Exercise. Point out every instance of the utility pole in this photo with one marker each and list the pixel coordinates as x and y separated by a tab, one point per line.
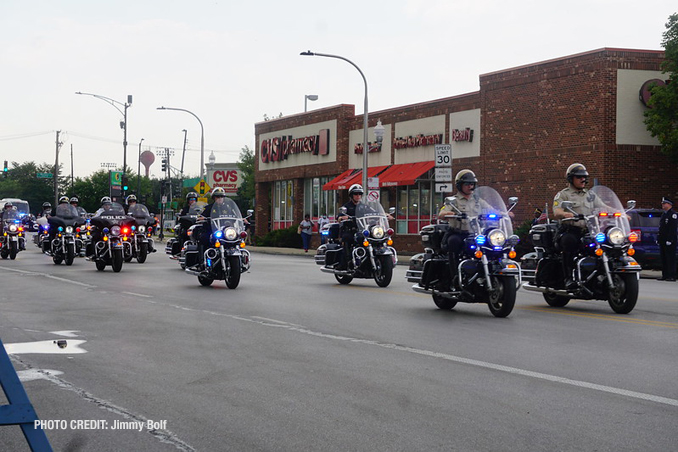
55	175
72	183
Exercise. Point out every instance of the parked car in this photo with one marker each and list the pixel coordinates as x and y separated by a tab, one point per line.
645	223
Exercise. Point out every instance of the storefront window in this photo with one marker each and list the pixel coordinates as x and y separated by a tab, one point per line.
317	201
417	206
283	204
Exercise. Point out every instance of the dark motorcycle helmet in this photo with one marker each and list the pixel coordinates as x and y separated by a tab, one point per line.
576	169
465	176
191	195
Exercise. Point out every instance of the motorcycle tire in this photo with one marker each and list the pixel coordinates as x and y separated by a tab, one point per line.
143	253
57	259
117	260
12	250
443	303
205	280
4	254
100	265
384	271
343	279
233	278
70	254
503	298
623	297
555	300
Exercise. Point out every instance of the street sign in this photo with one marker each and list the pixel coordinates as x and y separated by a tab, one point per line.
116	178
444	187
44	175
373	195
201	187
443	174
443	155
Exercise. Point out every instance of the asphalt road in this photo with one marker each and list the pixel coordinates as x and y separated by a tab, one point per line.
291	360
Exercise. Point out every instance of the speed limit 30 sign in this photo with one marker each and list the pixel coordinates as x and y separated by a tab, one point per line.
443	155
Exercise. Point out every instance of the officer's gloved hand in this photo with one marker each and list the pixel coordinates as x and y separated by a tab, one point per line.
463	216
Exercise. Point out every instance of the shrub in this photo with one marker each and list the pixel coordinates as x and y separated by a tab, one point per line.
285	238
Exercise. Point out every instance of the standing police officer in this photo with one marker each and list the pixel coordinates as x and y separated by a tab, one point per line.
668	225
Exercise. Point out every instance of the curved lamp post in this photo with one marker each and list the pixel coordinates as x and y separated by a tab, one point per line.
202	137
307	97
139	170
123	124
366	148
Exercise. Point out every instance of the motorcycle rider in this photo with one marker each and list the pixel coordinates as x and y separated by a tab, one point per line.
191	198
81	210
204	228
465	182
570	233
46	210
131	203
52	227
6	214
106	205
348	228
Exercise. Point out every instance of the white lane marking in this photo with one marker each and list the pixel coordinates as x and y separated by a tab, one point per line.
48	347
138	294
36	374
444	356
46	275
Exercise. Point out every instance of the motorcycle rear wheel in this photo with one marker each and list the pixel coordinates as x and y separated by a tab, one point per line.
384	271
555	300
503	298
4	254
12	250
443	303
143	253
233	278
58	259
100	265
343	279
205	280
623	296
117	260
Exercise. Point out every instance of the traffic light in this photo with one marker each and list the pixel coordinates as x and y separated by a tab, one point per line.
164	165
125	183
5	169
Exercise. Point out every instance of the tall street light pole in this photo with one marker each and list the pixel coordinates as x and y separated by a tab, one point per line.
123	124
307	97
139	171
366	149
202	138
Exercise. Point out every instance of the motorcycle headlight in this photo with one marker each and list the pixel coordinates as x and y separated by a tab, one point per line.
142	228
616	236
230	234
115	230
69	229
12	228
497	237
378	232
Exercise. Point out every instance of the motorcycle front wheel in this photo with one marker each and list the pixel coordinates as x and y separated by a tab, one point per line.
384	271
623	296
12	250
117	260
233	278
100	265
503	298
70	254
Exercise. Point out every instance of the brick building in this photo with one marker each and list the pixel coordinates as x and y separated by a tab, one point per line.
519	133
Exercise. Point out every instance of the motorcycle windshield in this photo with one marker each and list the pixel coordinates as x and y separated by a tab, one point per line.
114	209
197	208
10	215
138	211
226	214
608	210
489	211
66	211
369	214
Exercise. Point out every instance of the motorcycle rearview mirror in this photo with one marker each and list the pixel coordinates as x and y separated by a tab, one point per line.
567	205
391	210
250	212
630	204
452	202
513	200
342	210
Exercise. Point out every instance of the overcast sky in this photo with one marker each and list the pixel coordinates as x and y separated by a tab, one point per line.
232	62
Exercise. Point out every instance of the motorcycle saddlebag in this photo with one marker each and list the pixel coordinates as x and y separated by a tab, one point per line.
543	235
192	257
332	253
334	231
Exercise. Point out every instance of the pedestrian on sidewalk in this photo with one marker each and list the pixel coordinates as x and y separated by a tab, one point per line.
306	228
667	240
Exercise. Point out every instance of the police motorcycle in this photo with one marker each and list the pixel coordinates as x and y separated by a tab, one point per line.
13	237
604	268
183	232
111	242
372	255
66	243
140	237
226	257
486	272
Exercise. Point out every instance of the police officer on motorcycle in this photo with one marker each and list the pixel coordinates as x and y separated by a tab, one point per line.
46	210
191	198
466	204
571	231
6	214
204	230
131	202
348	228
81	211
106	205
53	229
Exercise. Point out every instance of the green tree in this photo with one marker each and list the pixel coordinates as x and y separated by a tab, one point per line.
661	118
22	182
245	197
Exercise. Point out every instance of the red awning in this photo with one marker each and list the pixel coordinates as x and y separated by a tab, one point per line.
357	178
404	174
332	185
